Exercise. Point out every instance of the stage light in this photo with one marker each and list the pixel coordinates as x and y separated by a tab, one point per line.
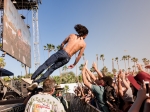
14	2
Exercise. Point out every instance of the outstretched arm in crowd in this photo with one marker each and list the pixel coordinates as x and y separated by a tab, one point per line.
100	75
139	67
85	81
88	77
127	85
120	91
141	96
90	74
81	89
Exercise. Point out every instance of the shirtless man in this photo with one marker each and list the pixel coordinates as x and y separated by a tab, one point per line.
74	43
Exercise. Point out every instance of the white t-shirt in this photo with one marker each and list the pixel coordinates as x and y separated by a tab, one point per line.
44	102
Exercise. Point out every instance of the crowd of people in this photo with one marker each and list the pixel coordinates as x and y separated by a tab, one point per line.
125	92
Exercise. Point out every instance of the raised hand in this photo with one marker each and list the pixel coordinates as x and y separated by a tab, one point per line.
94	65
139	67
122	75
85	65
142	92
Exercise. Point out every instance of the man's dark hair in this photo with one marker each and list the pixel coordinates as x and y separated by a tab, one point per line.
81	30
48	85
108	80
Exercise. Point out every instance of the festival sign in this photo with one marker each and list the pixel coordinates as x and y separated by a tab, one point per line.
16	35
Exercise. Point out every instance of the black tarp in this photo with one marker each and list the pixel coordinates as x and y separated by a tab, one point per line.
4	72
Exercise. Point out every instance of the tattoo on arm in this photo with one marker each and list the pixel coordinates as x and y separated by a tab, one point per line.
64	42
79	56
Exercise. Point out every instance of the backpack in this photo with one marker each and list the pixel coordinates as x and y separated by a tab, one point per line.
112	99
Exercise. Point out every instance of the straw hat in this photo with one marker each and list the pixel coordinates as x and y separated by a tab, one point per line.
58	87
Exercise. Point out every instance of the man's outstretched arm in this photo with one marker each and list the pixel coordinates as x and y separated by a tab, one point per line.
78	57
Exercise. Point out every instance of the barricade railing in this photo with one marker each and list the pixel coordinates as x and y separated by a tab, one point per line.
78	105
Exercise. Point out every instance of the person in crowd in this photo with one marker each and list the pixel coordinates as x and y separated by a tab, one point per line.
141	98
44	101
126	94
142	101
74	43
110	94
59	96
89	97
97	90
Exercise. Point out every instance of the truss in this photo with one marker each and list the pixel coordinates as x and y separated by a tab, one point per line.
36	37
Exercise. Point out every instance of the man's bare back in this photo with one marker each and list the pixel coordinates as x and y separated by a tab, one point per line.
74	44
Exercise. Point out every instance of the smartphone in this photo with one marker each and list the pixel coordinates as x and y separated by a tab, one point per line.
147	87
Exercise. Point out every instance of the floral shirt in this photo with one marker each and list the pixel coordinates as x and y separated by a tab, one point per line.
44	102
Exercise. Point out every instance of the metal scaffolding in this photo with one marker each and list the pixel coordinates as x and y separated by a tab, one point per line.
28	5
36	37
1	24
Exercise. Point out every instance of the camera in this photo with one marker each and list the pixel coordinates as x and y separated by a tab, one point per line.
147	87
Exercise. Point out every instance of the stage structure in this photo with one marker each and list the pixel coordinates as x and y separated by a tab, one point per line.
15	34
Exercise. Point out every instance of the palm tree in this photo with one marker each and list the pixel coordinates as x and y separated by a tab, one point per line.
83	55
97	60
129	69
66	88
81	67
124	58
128	57
102	58
6	78
104	70
76	66
57	79
92	70
24	66
133	67
58	47
134	61
112	63
64	68
0	46
114	71
116	59
144	61
147	63
2	62
49	47
123	70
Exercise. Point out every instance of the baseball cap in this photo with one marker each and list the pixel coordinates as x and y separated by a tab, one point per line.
133	82
142	76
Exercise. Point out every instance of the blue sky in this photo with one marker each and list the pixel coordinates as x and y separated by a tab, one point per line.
114	26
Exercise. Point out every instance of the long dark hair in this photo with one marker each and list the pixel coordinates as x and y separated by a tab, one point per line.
81	30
